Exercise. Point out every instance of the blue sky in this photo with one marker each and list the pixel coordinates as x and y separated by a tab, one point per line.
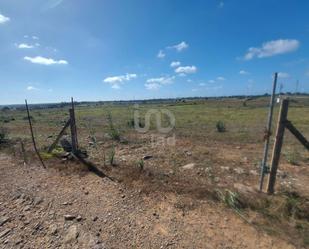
137	49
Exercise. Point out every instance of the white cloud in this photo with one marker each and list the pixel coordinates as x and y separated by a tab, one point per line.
186	70
272	48
120	78
35	37
179	47
31	88
115	81
4	19
220	78
221	5
45	61
24	45
211	81
116	86
175	64
243	72
283	75
202	84
156	83
161	54
152	86
162	80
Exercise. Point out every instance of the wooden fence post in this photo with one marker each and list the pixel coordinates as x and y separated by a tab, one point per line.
278	145
59	136
32	135
73	131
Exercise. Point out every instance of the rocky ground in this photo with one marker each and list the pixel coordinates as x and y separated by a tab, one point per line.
55	209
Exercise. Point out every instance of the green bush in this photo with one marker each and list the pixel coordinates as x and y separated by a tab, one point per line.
113	132
3	135
220	126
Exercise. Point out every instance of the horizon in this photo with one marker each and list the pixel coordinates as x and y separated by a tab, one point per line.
116	50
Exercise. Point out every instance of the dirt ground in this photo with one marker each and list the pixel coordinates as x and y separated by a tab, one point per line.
56	209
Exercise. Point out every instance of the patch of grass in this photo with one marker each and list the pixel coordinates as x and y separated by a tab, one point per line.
113	132
111	156
3	135
220	125
141	164
293	157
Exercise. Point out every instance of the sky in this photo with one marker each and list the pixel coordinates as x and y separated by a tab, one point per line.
95	50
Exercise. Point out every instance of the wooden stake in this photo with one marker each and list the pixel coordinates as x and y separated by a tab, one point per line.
73	132
297	134
278	145
59	136
23	152
269	123
32	136
73	108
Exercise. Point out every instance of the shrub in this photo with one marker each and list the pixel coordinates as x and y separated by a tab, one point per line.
3	135
111	156
220	126
131	123
113	132
141	164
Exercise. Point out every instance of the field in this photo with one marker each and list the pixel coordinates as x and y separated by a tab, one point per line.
198	179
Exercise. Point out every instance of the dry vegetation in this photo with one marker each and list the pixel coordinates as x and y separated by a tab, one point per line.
203	186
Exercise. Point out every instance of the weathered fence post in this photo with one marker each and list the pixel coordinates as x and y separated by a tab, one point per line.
73	131
269	122
32	136
278	145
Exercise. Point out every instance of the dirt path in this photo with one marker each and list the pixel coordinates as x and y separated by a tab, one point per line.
52	209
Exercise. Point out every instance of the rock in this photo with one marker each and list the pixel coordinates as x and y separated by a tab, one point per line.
37	200
71	234
216	179
69	217
225	168
53	229
4	220
188	153
147	157
239	170
253	172
4	233
27	208
95	218
189	166
79	218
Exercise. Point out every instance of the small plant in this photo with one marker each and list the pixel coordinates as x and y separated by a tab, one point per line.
3	135
113	132
220	125
293	157
131	123
141	164
111	156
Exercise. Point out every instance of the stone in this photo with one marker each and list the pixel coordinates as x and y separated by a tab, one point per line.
79	218
27	208
189	166
53	229
4	220
239	170
71	234
69	217
4	233
37	200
